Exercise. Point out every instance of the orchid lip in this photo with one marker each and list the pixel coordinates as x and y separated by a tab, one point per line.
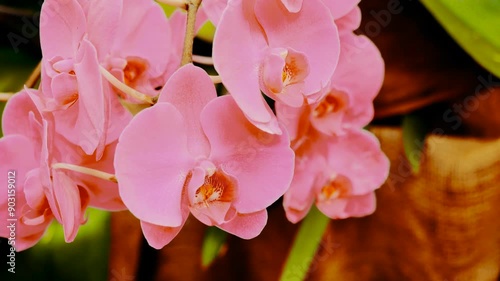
216	187
337	186
124	87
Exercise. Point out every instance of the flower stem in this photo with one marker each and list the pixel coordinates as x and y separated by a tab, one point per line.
35	76
187	53
85	170
305	246
5	96
216	79
203	60
125	88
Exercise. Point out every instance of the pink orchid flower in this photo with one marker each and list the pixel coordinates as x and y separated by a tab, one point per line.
80	104
338	174
147	46
194	152
346	102
45	193
116	35
18	157
290	57
53	189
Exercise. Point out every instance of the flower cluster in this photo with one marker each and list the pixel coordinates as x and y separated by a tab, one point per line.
117	123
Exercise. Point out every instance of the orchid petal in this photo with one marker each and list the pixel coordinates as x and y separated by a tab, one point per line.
261	162
240	74
189	90
246	226
151	164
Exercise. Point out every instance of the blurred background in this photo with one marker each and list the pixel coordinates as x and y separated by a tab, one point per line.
437	118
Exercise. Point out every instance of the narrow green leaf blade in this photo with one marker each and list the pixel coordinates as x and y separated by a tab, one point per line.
213	243
305	246
414	132
475	25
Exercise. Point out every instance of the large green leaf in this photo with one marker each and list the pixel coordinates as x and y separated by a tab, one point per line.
475	25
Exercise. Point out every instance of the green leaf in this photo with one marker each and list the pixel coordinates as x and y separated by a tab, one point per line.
305	246
213	243
414	132
475	25
169	10
207	32
86	258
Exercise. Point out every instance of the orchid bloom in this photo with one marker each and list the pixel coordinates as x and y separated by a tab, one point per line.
71	83
113	35
331	147
346	103
290	57
45	192
147	46
194	152
338	174
31	219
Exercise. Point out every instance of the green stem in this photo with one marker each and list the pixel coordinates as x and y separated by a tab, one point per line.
305	246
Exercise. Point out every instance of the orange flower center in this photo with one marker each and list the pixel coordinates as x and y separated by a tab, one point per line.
327	105
133	70
70	100
338	187
215	188
290	71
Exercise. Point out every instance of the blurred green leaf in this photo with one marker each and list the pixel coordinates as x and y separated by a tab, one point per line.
305	246
53	259
207	32
475	25
169	10
213	242
15	69
414	132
